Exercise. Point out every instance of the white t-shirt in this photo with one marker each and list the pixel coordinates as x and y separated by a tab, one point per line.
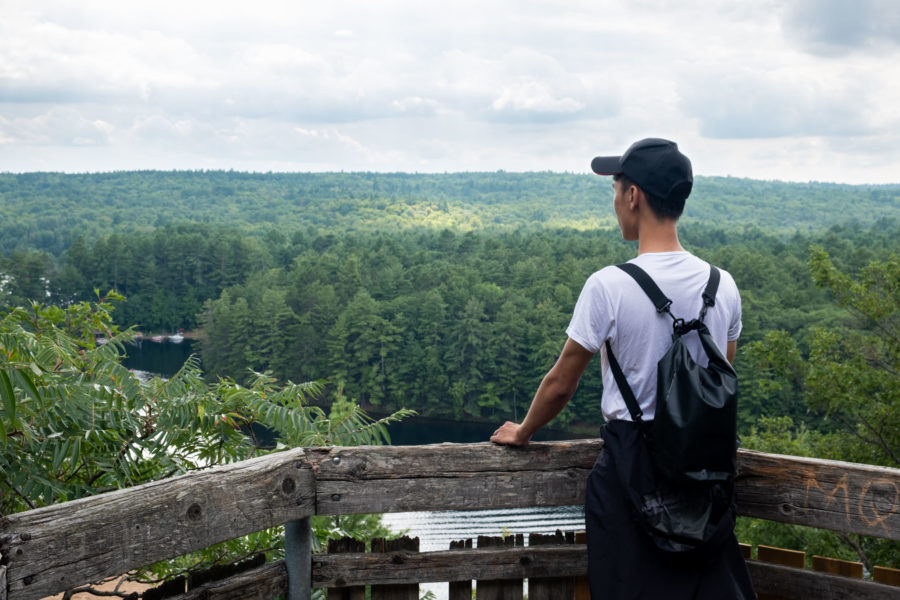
613	306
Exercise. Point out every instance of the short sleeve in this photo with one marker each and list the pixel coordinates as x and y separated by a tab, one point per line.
736	325
591	322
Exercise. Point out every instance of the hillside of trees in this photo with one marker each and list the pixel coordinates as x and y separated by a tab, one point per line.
448	294
49	211
458	325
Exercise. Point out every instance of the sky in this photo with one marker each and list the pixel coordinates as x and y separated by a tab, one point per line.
791	90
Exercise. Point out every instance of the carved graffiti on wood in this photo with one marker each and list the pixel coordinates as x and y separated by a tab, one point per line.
875	500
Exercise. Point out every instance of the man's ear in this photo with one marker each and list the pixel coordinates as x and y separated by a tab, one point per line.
635	197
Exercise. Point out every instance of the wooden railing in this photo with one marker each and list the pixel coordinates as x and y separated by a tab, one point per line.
52	549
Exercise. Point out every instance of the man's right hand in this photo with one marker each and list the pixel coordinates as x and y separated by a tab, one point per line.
510	434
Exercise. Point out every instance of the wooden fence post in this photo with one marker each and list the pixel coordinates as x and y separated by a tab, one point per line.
502	589
396	592
460	590
551	588
298	558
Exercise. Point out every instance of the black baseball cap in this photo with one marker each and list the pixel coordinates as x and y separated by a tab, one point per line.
653	164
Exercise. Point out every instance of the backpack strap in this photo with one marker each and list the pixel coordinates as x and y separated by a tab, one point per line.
630	401
662	304
659	299
709	294
649	286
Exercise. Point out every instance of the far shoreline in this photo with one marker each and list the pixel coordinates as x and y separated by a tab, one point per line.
188	335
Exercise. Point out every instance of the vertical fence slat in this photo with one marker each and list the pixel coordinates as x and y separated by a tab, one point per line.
356	592
460	590
395	592
582	585
501	589
298	558
886	575
845	568
550	588
780	556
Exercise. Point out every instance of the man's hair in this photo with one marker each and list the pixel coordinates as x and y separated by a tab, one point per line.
663	209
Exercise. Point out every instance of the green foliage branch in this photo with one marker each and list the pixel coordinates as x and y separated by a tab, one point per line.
74	422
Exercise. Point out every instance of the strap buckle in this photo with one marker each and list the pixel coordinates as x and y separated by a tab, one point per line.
681	327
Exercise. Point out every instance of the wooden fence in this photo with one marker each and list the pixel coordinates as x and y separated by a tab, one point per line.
52	549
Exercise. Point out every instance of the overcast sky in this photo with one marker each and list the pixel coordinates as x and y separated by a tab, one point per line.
796	90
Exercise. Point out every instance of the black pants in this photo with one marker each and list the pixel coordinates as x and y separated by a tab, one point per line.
622	561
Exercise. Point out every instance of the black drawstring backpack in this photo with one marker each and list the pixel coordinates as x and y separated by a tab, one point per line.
680	479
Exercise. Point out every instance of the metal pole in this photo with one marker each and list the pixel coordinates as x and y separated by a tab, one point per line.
298	558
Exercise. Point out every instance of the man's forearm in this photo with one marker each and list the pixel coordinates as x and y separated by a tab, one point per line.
553	394
549	400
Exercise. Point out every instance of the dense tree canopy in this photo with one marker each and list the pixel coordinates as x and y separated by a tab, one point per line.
49	211
455	324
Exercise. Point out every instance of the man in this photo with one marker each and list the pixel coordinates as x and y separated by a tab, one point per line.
651	182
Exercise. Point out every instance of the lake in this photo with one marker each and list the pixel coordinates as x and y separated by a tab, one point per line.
166	358
158	358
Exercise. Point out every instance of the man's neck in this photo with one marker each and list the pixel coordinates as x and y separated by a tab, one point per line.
658	236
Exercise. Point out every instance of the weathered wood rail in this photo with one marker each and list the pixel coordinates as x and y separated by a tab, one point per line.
56	548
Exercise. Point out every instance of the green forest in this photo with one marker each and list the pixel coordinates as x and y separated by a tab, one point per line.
449	294
49	211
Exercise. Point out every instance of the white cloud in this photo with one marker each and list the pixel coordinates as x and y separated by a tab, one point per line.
742	104
331	135
58	126
536	97
772	88
837	27
415	105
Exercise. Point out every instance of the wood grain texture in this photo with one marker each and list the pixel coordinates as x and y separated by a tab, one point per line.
454	460
500	588
343	570
454	477
505	564
886	575
788	582
409	591
343	546
845	568
463	492
460	590
262	583
270	580
781	556
59	547
840	496
551	588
